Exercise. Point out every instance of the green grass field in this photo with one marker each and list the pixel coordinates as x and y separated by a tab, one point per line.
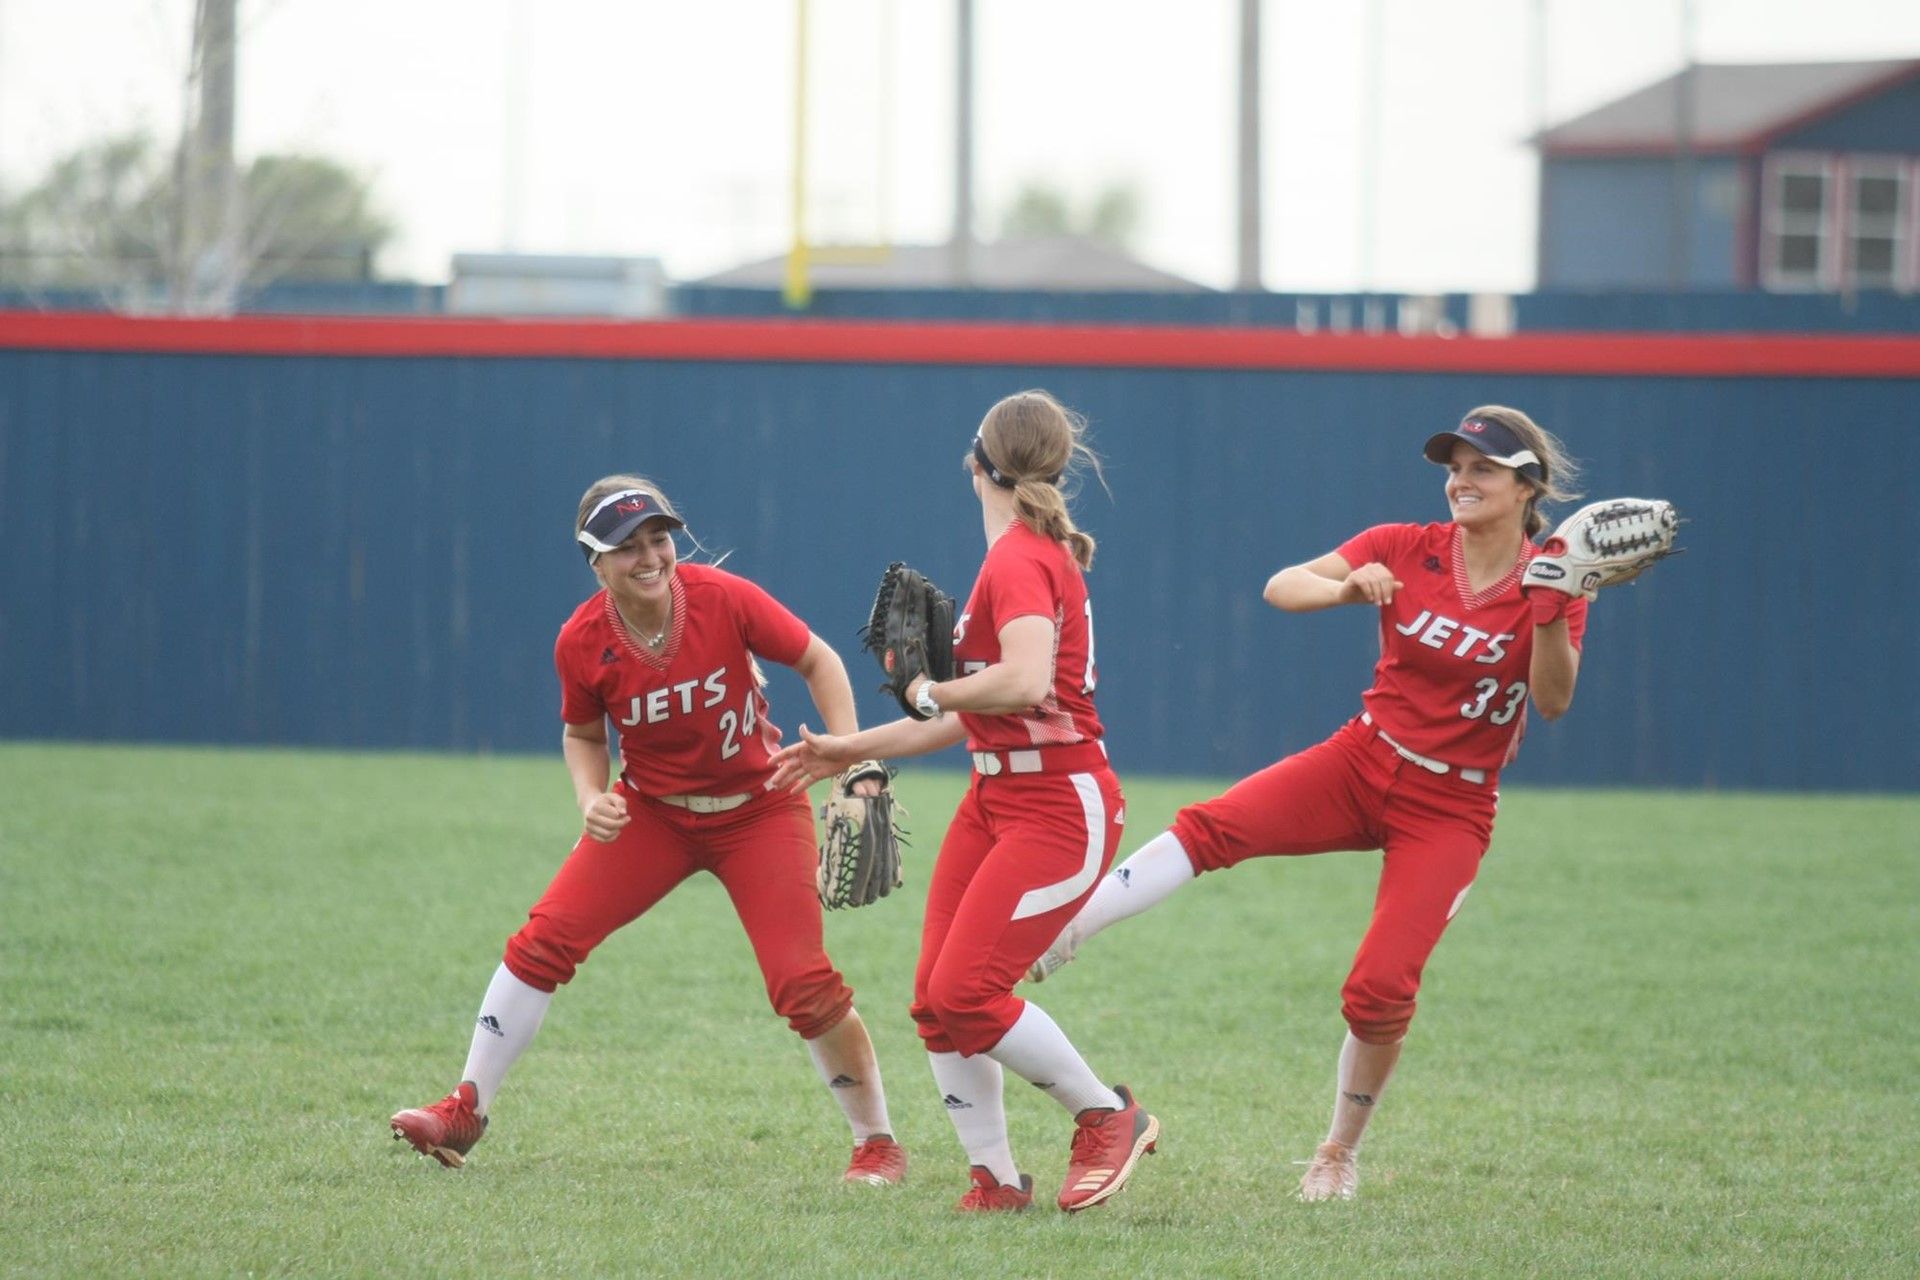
1670	1035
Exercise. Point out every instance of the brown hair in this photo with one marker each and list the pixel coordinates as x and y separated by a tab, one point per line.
1036	441
1559	470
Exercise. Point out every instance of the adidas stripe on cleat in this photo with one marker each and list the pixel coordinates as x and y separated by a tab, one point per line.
1107	1144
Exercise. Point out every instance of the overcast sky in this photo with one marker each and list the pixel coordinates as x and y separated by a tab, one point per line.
665	127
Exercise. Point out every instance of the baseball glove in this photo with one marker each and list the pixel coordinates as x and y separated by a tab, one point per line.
860	855
1604	545
910	631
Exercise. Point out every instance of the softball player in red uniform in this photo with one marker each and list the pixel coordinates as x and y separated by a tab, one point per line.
667	651
1416	773
1040	822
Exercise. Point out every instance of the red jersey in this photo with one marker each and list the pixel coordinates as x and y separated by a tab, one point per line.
692	718
1026	574
1452	678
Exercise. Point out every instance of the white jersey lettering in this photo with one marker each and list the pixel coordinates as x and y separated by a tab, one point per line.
658	704
1435	630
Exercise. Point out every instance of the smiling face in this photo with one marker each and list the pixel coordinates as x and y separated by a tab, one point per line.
1481	493
640	570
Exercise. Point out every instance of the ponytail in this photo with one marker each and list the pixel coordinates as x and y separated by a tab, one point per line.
1032	444
1042	507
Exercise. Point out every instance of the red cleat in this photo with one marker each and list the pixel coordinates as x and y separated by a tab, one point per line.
1106	1146
990	1195
879	1162
446	1130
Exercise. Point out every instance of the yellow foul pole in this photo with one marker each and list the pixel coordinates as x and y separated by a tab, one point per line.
799	289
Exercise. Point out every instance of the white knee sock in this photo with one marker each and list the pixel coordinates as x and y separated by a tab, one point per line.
1146	879
845	1060
972	1089
509	1015
1038	1051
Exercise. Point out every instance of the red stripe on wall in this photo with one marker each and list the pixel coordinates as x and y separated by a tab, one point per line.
950	343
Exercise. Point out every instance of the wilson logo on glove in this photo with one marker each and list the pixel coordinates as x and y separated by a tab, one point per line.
1603	545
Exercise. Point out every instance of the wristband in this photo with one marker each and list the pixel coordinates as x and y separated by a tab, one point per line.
1549	606
924	703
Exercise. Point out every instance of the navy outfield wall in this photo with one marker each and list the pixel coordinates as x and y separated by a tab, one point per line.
357	533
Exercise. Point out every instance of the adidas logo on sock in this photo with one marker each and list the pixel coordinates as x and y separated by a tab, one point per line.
492	1024
1125	876
842	1081
956	1104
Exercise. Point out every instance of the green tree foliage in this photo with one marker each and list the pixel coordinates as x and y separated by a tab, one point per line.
110	217
1041	209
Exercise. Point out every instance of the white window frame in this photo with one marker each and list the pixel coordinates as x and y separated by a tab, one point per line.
1897	228
1838	224
1775	223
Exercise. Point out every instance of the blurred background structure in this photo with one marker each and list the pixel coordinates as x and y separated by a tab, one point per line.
1266	245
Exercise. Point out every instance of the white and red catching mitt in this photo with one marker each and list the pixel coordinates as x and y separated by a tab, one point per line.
1603	545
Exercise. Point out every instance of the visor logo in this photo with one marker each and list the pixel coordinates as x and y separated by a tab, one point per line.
1474	427
631	505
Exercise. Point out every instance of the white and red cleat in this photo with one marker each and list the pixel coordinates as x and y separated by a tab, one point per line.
878	1162
446	1130
1107	1144
989	1195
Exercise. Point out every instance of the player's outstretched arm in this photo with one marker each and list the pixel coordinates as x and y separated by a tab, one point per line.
1329	581
819	755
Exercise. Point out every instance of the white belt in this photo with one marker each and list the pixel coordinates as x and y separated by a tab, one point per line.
988	762
1067	757
707	804
1476	776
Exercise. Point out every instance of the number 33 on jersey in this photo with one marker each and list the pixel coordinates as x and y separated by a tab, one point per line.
1452	678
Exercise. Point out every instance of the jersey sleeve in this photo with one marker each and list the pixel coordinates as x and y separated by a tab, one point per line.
579	704
1380	543
1017	586
770	628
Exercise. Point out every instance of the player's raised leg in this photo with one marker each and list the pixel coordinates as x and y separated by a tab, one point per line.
1144	880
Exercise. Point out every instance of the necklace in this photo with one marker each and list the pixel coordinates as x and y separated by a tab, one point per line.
658	638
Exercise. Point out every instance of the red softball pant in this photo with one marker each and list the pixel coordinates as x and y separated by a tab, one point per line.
1354	791
1021	856
763	852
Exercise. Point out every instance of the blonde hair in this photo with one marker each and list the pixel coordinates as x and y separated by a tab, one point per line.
1559	470
606	486
1037	442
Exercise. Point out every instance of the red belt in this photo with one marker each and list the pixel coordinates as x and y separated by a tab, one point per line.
1078	757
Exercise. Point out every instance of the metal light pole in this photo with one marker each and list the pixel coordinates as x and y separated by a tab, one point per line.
1247	275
